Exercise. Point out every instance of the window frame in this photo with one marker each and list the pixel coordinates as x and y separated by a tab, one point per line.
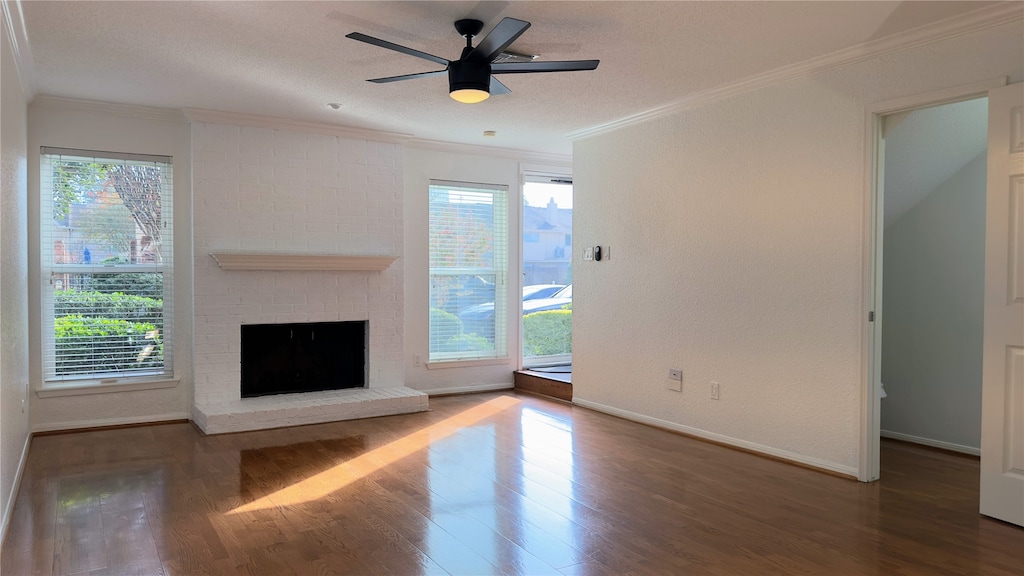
51	383
498	269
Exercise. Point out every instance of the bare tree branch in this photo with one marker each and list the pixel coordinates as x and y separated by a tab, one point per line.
139	189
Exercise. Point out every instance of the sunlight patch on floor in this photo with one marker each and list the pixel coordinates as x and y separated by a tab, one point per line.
337	477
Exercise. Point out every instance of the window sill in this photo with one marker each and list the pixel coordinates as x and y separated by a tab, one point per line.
96	387
441	364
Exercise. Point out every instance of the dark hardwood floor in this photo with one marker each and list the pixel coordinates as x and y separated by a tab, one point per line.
485	484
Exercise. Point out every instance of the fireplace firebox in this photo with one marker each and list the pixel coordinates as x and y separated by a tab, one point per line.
307	357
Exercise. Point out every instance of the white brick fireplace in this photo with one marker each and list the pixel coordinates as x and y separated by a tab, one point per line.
302	212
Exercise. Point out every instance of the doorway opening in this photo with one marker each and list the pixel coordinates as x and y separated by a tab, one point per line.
882	121
546	306
1001	464
933	188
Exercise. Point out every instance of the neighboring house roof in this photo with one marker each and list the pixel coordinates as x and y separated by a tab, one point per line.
536	219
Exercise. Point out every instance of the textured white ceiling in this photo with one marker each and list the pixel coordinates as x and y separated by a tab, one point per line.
289	59
924	148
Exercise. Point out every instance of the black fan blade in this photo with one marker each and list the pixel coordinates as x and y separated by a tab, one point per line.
497	87
407	77
396	47
501	37
563	66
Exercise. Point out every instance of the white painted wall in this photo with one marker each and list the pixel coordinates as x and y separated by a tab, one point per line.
14	373
264	189
108	127
421	165
932	329
739	250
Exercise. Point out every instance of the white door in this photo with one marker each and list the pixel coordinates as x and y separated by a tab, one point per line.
1002	428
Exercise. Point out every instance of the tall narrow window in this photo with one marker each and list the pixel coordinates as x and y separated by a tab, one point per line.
106	246
468	264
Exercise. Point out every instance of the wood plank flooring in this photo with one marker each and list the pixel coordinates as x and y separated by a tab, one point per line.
485	484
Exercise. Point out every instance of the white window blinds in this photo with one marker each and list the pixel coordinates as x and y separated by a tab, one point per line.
468	264
106	245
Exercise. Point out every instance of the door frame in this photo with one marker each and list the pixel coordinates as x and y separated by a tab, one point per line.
871	295
529	170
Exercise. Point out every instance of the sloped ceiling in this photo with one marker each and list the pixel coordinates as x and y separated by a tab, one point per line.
924	148
290	59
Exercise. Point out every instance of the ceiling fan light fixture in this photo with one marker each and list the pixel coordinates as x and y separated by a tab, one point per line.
470	77
469	81
469	95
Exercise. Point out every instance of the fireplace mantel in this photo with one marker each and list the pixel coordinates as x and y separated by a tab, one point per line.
300	261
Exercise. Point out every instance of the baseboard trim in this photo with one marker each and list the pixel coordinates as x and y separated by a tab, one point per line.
468	389
848	472
932	443
110	422
15	488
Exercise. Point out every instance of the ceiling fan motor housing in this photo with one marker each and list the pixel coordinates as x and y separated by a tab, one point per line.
470	74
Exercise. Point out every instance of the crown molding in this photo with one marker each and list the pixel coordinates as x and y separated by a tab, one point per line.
1003	13
15	21
127	110
258	121
512	153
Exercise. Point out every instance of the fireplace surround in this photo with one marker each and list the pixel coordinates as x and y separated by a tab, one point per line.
295	227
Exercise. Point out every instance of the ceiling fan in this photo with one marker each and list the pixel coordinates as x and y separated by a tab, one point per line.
470	78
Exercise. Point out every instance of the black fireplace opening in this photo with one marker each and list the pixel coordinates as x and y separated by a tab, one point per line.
307	357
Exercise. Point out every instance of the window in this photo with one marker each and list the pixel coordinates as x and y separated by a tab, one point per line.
568	239
531	236
106	246
468	262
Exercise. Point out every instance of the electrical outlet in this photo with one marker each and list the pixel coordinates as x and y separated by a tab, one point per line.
416	360
714	390
607	252
588	253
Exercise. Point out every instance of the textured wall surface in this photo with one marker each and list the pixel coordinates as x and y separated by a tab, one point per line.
14	374
933	319
102	127
737	235
260	189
